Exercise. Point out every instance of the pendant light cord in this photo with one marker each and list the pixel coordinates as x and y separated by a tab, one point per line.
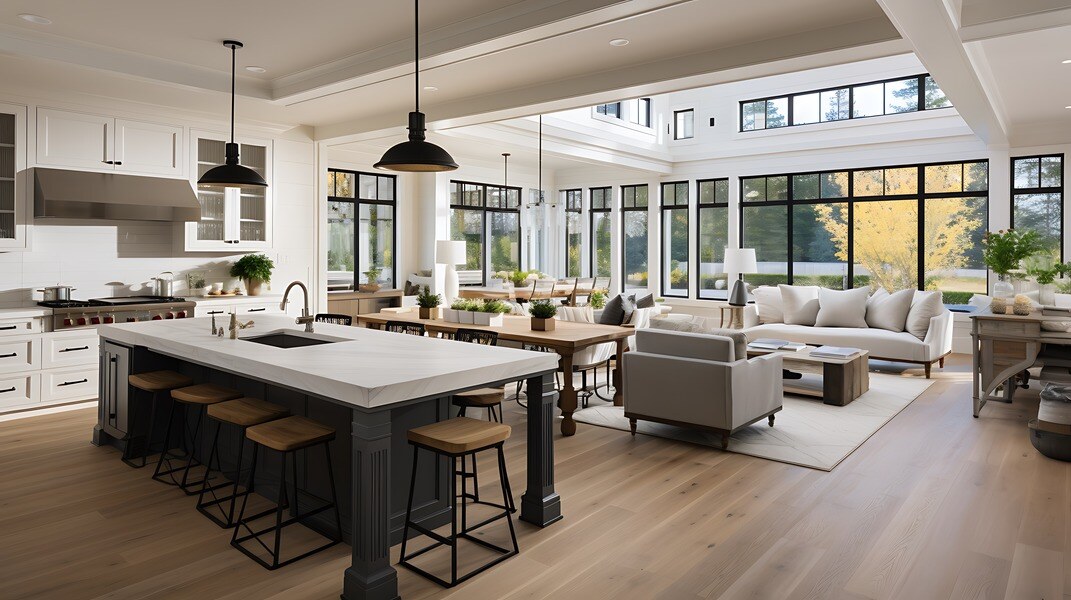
416	52
234	63
540	192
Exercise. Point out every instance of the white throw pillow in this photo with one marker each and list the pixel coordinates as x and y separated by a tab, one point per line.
800	303
768	304
889	311
924	306
842	308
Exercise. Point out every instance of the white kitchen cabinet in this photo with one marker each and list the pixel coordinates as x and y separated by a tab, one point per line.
14	203
232	220
102	143
148	148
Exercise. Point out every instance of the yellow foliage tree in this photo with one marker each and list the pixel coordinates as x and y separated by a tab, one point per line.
886	237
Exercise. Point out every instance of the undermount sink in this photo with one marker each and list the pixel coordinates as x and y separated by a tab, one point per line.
291	339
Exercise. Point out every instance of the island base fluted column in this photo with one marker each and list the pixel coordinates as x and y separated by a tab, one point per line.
370	575
540	504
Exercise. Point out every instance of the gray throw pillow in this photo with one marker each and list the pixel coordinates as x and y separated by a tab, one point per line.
617	311
644	302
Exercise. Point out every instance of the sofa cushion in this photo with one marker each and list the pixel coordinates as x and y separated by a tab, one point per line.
889	311
699	346
924	306
842	308
881	343
800	303
643	301
768	304
690	324
617	311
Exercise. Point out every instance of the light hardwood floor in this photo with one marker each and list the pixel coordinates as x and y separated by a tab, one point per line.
936	505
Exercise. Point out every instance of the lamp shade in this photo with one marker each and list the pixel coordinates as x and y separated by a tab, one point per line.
740	260
449	252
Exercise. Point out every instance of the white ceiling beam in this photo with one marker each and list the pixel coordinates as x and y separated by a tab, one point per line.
984	30
931	31
874	38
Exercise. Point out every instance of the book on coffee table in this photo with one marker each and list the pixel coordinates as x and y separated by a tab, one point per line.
834	352
774	344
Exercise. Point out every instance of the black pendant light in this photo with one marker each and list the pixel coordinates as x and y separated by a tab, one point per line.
417	154
231	174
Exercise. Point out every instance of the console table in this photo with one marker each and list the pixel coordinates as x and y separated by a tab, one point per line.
1004	346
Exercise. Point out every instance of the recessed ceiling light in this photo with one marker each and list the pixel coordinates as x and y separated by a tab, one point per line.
37	19
619	42
1066	62
430	88
255	69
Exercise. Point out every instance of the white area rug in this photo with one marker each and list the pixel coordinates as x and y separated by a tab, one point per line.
806	432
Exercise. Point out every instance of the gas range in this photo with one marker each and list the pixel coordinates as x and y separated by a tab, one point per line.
74	314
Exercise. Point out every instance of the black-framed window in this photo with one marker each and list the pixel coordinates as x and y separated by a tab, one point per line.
910	226
1037	195
636	111
634	236
361	227
611	109
870	99
601	231
713	236
675	239
684	124
487	218
574	200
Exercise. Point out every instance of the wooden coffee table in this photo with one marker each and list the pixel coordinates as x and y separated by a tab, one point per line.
843	379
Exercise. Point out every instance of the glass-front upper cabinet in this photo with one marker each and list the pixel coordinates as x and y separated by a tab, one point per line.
13	184
232	220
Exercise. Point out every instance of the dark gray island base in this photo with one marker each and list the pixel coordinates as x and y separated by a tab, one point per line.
370	453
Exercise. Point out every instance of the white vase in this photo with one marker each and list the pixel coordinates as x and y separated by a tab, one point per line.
1003	287
466	317
1046	294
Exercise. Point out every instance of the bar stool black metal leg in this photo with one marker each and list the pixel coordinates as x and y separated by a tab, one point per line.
334	493
190	487
409	504
245	498
507	491
453	522
164	453
227	520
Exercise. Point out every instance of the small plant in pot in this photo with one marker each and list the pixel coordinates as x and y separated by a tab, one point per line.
491	313
450	314
428	303
255	270
372	274
196	283
597	299
542	312
467	313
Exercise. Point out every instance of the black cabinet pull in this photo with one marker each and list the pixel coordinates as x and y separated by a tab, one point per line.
74	349
257	310
215	312
73	382
112	415
9	355
8	327
108	162
114	359
118	162
10	389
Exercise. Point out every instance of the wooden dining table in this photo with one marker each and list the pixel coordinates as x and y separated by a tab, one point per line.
512	293
567	338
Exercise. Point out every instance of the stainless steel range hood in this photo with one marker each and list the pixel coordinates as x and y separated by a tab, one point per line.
58	193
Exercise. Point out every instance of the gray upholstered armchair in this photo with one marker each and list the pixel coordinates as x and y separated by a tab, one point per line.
699	380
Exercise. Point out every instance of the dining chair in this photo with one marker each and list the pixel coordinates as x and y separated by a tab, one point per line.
333	318
404	327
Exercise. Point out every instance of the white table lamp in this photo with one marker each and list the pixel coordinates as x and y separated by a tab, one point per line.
450	253
740	261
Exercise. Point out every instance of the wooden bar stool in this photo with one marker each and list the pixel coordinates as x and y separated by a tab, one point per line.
242	413
195	397
456	439
153	382
287	436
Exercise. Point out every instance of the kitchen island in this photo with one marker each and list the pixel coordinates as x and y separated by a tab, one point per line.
370	385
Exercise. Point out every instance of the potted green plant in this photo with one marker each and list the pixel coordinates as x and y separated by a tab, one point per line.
491	313
1045	270
542	312
372	274
1002	251
195	281
255	270
467	314
597	299
450	314
428	303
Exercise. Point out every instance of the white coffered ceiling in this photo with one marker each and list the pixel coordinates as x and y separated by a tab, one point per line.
344	67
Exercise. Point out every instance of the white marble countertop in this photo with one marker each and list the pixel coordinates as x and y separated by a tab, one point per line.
370	368
25	312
